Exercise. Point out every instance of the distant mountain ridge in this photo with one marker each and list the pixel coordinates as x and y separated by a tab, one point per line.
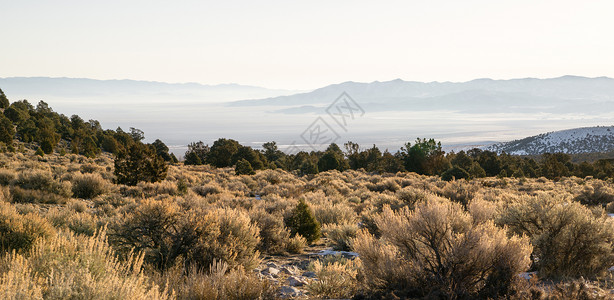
85	87
554	95
571	141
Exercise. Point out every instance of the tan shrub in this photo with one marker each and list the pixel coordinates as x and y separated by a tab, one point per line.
164	232
436	250
7	176
19	232
131	191
219	282
89	168
19	195
596	192
41	180
209	189
340	235
74	267
88	186
296	244
17	280
274	236
385	185
334	281
410	196
459	191
5	194
77	205
569	240
334	213
482	210
83	223
164	187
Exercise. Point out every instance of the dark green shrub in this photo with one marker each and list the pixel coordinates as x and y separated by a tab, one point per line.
191	158
7	130
302	221
39	152
4	101
453	173
243	167
182	187
139	163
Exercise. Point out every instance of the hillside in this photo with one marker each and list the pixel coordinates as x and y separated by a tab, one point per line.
571	141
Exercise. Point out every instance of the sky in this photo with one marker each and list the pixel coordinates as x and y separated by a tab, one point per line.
302	45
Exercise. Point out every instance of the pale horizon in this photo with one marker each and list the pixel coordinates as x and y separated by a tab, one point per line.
307	45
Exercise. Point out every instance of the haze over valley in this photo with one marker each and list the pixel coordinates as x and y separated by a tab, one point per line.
461	115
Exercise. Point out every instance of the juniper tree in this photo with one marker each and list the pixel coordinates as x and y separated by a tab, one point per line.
139	163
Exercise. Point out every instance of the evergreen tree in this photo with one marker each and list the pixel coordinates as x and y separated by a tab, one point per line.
4	101
7	130
192	158
136	134
302	221
89	147
199	150
222	152
110	144
139	163
308	167
161	149
271	153
328	161
250	155
243	167
15	114
455	172
425	157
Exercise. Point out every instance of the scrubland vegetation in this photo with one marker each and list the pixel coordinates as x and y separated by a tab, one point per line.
67	230
134	223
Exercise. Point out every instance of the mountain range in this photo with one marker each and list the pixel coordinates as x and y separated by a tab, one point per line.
554	95
88	88
571	141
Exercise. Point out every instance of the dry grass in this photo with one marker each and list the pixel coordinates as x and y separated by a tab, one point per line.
200	232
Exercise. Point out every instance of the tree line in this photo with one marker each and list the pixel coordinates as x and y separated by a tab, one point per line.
424	156
52	132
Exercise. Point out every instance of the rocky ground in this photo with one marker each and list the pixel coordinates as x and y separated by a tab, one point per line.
291	273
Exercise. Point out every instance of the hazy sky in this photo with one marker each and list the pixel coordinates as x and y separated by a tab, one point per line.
306	44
